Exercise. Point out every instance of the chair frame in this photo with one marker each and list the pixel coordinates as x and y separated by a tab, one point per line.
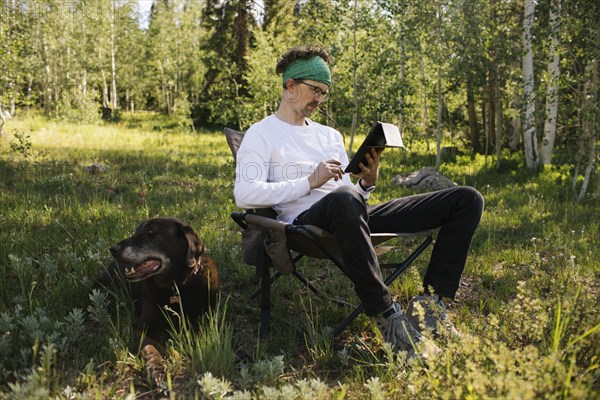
264	264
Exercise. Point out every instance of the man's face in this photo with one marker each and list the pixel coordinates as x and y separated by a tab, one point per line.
308	95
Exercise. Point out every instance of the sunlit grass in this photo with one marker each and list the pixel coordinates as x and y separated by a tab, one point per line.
208	348
528	300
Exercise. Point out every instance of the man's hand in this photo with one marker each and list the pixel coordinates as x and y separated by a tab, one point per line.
370	172
325	171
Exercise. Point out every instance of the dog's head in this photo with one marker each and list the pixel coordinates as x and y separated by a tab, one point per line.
159	247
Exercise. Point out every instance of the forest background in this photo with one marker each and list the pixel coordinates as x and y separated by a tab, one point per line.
509	87
489	75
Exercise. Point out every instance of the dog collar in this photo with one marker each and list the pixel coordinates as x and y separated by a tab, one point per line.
175	299
197	266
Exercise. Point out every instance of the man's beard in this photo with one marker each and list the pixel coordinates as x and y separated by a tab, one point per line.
307	112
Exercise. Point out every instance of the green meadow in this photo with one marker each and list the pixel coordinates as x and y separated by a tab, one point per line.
527	306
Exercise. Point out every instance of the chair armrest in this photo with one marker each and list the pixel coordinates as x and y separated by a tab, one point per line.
267	212
240	216
267	223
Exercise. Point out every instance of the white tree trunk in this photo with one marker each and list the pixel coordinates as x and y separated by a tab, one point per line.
113	64
588	172
84	83
401	100
499	127
401	78
354	81
104	89
485	116
438	136
581	146
552	91
425	109
2	119
589	124
529	130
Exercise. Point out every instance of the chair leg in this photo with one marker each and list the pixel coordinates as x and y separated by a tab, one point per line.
348	320
259	289
388	281
276	276
265	294
301	278
264	290
409	260
265	305
307	283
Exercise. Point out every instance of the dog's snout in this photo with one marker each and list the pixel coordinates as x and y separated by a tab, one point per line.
115	248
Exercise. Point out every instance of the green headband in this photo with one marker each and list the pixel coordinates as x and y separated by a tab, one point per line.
314	68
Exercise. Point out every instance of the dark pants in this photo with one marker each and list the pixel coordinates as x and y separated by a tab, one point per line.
456	211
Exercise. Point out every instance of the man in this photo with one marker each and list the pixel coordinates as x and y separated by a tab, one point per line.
295	165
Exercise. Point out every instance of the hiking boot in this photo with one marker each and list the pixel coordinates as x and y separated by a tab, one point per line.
428	314
399	332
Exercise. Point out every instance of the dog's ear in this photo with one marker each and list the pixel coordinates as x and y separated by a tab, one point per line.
140	225
195	247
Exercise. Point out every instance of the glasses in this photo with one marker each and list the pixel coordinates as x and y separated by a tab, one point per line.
317	91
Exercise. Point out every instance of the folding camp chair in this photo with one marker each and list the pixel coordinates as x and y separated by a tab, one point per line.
269	243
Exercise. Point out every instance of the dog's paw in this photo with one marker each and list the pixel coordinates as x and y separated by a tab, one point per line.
153	365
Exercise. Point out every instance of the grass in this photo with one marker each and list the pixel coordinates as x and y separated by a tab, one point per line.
527	304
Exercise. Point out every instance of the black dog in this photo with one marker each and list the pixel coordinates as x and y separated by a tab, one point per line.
165	265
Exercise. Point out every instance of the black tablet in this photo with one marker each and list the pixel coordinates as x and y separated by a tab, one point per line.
382	135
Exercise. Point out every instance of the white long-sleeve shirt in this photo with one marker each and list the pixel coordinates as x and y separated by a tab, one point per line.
275	160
